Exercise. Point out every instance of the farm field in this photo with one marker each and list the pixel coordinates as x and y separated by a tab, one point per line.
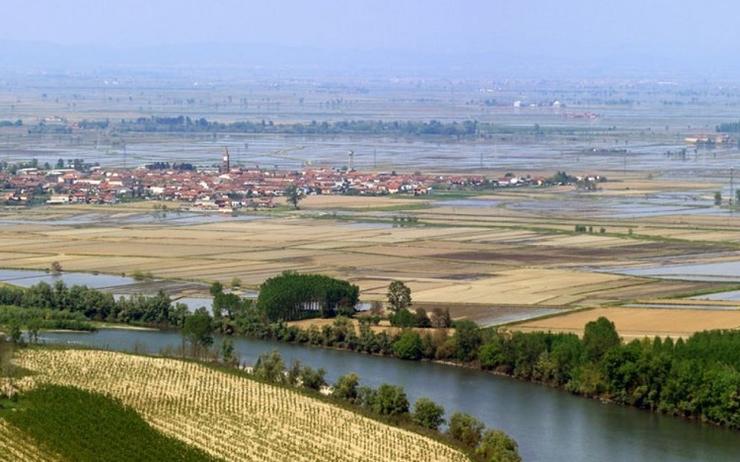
478	260
256	421
639	322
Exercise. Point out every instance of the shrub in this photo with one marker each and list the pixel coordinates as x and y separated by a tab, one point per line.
466	429
428	414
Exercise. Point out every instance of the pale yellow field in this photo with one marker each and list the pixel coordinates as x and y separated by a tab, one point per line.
232	417
640	322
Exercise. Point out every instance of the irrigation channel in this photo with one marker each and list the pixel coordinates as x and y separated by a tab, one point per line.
549	424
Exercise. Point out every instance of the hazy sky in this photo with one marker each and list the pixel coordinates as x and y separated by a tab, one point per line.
578	29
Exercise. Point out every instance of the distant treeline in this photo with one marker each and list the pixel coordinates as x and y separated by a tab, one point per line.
729	127
467	128
96	305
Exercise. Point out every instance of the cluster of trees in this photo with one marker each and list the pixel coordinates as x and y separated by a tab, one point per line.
11	123
292	296
391	402
729	127
696	378
97	305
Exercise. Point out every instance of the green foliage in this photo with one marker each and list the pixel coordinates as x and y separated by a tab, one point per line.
408	345
293	195
294	296
227	352
390	401
403	318
497	446
84	426
466	429
399	295
467	339
313	379
35	319
428	414
198	329
270	367
599	337
346	387
92	304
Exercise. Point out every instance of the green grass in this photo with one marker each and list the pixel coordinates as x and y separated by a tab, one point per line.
88	427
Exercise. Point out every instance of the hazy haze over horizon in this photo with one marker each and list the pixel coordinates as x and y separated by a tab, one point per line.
539	36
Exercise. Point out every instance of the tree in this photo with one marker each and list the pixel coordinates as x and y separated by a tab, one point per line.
16	335
441	318
467	338
227	352
497	446
408	345
403	318
34	325
216	288
718	198
236	282
421	318
390	400
293	195
399	296
428	414
198	329
313	379
346	387
56	267
599	337
270	367
466	429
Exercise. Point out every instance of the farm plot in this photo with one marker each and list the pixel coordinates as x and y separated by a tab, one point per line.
640	322
254	421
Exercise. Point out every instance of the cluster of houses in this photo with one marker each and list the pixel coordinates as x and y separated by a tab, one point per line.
224	188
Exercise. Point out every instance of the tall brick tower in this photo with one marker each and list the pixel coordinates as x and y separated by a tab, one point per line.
225	165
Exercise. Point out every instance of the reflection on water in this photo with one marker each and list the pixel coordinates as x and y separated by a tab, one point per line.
550	425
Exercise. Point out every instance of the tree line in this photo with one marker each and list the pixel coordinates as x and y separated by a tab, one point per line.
697	378
391	403
97	305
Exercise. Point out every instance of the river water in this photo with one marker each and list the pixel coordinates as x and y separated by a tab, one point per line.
550	425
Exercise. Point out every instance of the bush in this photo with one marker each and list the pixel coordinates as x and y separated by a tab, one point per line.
346	387
466	429
497	446
408	346
390	400
428	414
270	367
403	318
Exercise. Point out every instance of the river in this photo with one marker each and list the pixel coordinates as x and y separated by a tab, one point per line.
549	424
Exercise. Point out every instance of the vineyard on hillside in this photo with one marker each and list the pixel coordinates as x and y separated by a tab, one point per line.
229	416
15	446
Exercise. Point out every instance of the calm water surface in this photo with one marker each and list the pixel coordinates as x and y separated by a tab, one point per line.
550	425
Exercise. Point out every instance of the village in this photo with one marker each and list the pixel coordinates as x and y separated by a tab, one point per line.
229	188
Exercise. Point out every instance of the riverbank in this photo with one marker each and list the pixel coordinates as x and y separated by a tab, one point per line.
522	409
